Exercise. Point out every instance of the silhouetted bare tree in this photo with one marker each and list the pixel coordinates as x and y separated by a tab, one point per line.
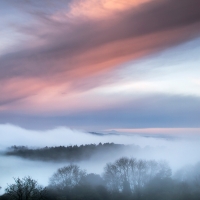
133	174
67	177
25	189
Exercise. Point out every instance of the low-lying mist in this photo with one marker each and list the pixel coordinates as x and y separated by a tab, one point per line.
177	151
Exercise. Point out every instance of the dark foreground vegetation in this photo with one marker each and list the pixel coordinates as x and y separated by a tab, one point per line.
124	179
71	153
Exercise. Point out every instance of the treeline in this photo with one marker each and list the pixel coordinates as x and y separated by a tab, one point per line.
70	153
126	178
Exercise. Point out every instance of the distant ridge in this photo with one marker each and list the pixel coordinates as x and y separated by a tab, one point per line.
71	153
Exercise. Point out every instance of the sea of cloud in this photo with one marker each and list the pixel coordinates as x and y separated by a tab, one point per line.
177	151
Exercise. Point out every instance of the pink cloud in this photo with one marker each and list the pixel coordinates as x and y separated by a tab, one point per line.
74	50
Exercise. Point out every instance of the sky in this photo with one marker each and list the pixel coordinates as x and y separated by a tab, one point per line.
100	65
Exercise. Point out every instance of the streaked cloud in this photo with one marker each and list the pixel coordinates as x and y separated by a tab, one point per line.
64	59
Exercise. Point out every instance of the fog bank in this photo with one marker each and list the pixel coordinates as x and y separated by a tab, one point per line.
177	151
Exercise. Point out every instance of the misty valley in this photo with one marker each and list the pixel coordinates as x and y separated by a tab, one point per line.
99	99
94	172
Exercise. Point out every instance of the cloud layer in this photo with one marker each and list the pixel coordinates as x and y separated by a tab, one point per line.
66	49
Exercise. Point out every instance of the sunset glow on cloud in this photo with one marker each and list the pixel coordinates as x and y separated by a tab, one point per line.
100	64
